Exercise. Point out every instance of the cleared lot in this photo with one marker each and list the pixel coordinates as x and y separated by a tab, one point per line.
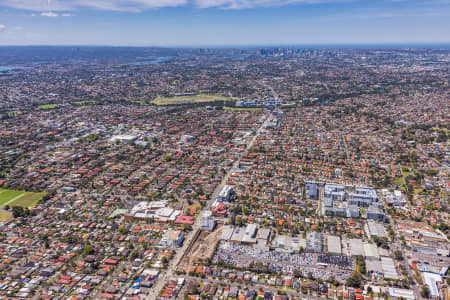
202	249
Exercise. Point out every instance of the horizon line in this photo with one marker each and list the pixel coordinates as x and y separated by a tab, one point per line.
327	45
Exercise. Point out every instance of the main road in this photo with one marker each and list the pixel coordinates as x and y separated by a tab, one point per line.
170	271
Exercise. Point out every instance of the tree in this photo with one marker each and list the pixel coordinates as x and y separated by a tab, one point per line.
134	254
425	291
19	211
123	230
360	264
398	255
88	249
355	280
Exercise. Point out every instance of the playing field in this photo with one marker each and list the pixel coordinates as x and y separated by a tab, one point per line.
19	198
190	99
48	106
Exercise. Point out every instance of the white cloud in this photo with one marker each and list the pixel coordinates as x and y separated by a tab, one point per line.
49	14
68	5
2	27
139	5
244	4
67	15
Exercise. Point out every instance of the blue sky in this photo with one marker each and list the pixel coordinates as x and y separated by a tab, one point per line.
223	22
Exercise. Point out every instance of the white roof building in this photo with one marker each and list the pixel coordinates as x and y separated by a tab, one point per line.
334	244
158	210
123	138
401	293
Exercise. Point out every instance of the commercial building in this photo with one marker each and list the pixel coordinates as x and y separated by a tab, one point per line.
172	239
263	234
124	138
157	210
241	235
287	243
250	234
225	194
208	223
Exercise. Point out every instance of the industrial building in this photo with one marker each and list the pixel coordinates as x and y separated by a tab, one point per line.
370	250
395	293
388	267
373	229
356	247
383	266
334	244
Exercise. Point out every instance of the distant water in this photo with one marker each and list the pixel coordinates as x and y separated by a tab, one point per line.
6	68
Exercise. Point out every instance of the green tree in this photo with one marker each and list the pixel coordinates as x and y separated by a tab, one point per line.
355	280
425	291
88	249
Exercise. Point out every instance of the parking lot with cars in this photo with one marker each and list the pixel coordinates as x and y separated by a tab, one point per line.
317	265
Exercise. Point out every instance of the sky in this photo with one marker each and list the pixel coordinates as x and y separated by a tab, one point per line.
223	22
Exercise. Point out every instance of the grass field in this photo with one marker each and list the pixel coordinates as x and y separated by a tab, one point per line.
5	216
242	108
83	103
14	113
138	102
399	180
48	106
190	99
19	198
